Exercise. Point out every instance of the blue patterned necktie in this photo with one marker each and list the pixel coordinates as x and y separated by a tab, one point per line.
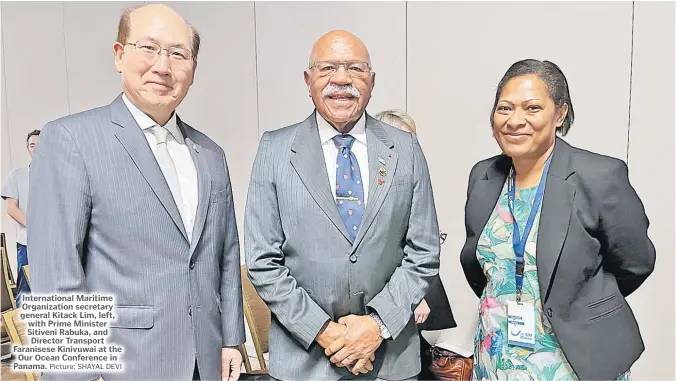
349	187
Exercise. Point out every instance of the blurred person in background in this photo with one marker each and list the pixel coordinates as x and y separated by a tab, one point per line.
434	311
15	192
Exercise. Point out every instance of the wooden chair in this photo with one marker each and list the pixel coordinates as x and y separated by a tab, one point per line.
26	274
7	275
17	334
257	316
7	292
8	302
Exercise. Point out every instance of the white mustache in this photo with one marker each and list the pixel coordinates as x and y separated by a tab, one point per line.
333	89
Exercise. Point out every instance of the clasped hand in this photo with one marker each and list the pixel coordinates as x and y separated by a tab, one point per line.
351	342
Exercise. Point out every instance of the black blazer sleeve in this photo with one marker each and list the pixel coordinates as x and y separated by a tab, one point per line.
629	253
470	265
441	316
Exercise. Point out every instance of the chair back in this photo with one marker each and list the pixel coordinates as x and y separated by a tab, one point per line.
257	315
6	290
17	335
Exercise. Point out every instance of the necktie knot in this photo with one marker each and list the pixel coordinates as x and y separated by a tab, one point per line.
160	133
343	141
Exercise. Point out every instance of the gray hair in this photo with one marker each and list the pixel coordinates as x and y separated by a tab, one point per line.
397	118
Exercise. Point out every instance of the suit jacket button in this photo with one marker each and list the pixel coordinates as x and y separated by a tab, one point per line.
549	312
192	265
353	258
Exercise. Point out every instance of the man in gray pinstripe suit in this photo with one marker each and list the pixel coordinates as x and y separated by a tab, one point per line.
129	200
341	234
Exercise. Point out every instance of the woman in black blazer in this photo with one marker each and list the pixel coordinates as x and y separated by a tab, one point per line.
434	311
553	285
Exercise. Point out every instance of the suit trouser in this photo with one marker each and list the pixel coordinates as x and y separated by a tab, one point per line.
425	359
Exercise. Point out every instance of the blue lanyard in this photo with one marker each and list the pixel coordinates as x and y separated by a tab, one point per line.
518	242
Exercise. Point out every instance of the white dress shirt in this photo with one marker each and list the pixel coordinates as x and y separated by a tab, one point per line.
326	134
180	154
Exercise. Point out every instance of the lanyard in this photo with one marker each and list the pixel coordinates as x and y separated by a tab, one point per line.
519	242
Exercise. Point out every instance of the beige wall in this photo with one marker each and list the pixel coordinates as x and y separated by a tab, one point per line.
440	61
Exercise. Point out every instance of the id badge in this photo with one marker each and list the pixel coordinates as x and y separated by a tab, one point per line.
521	324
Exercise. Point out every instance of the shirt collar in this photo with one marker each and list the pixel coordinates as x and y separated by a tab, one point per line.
327	132
145	122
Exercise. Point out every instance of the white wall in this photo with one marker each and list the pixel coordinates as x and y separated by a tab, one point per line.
440	61
35	93
285	34
651	171
222	102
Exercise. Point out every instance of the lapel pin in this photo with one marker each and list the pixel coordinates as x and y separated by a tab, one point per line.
382	172
381	160
389	155
381	181
194	146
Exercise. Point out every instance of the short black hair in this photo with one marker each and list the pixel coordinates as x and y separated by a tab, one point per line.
552	76
32	133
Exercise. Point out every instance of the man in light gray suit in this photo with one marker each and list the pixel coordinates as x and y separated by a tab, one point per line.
130	201
341	234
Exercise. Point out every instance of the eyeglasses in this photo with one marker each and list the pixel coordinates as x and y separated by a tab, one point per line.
352	68
151	52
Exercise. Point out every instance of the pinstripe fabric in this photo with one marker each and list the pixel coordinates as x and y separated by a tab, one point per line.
103	220
298	250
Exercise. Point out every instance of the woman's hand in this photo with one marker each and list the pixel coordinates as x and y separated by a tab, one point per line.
422	312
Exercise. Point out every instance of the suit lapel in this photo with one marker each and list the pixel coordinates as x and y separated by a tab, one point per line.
308	161
485	193
203	183
134	142
557	206
381	154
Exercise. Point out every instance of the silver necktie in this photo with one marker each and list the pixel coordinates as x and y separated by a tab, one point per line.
167	165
